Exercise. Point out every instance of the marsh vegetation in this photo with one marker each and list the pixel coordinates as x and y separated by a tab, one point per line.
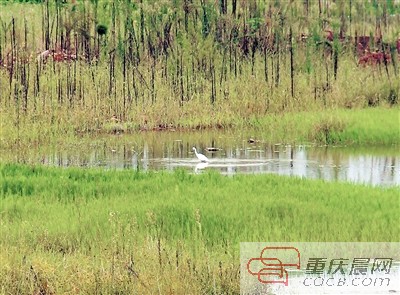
85	66
95	231
322	72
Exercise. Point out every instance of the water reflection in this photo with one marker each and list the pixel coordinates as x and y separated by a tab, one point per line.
200	166
236	155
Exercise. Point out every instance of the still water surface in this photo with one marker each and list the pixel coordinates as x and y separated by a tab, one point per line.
236	152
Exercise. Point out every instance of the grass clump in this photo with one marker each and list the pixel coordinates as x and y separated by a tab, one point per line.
120	65
376	126
100	231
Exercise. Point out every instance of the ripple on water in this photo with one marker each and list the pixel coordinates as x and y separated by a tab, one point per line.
230	154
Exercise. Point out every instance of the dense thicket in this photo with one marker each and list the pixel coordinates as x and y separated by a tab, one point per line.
143	60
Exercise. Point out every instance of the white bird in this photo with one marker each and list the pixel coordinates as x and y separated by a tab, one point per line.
201	157
200	166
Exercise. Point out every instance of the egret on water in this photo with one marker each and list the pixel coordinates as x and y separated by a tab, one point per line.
201	157
200	166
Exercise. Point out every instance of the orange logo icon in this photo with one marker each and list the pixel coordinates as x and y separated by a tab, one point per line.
274	262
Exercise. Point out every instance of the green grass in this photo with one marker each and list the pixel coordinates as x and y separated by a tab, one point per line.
377	126
370	126
188	80
95	231
123	232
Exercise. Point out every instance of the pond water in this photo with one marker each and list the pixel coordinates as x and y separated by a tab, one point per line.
229	153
